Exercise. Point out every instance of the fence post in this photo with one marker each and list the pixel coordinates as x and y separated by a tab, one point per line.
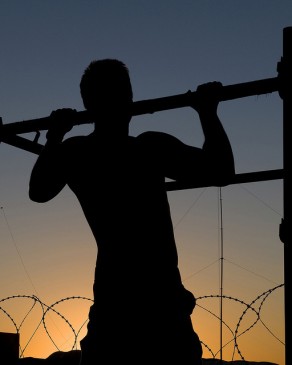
9	348
285	73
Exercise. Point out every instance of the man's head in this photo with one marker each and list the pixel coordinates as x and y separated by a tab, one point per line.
105	85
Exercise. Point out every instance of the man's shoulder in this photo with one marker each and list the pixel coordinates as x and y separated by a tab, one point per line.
74	140
74	145
150	134
157	138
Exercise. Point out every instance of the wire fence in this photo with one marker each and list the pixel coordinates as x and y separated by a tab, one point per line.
37	312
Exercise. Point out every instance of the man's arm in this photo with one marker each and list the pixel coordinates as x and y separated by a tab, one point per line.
47	177
213	163
217	151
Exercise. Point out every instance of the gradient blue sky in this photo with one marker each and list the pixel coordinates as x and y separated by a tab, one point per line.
170	47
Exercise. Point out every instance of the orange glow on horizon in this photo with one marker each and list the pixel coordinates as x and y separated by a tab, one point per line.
64	325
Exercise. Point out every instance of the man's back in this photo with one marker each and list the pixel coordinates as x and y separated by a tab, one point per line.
121	189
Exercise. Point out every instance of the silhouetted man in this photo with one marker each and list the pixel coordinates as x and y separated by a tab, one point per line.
141	312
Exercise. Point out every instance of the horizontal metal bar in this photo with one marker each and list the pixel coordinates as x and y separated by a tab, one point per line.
238	179
228	92
242	178
23	143
151	106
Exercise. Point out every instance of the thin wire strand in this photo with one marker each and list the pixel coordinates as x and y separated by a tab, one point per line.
18	252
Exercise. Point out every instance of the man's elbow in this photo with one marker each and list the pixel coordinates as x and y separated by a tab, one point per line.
38	195
226	177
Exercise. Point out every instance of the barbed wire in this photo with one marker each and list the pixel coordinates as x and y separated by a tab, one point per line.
248	306
46	309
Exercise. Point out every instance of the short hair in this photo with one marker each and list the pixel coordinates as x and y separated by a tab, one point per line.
100	73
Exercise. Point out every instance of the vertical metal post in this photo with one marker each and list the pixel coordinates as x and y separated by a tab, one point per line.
9	348
285	73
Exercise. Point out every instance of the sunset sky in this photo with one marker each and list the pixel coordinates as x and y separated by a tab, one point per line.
170	47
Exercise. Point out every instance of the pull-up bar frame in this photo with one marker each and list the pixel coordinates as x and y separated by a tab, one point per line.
9	134
285	69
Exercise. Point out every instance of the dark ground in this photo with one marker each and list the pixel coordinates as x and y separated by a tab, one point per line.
72	358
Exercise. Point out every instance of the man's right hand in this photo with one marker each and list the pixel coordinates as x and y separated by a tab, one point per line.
206	97
62	121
